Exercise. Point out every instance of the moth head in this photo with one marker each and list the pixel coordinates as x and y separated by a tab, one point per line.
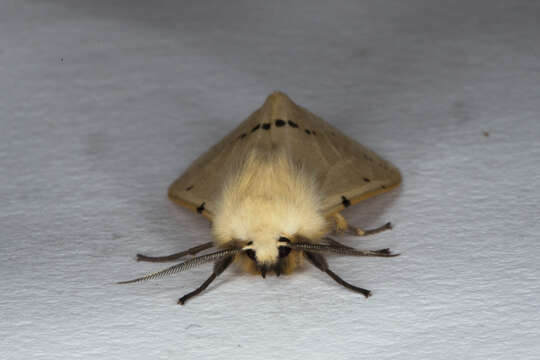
268	255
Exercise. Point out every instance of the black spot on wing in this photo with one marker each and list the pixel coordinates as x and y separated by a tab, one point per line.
200	209
308	132
280	123
256	127
292	124
242	136
189	187
367	180
346	202
266	126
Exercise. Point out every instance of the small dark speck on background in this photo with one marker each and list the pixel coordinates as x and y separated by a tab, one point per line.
193	326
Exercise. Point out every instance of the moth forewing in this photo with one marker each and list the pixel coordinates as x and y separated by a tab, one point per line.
282	175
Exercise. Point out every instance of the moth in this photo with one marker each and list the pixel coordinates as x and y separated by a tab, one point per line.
273	190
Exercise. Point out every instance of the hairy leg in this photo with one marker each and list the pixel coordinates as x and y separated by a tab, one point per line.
320	262
219	267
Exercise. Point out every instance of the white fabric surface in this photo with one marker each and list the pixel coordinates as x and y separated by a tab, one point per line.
104	103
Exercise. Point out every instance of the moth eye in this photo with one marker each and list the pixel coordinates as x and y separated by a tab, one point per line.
284	251
250	253
284	239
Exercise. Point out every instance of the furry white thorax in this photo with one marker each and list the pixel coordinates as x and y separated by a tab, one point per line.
265	197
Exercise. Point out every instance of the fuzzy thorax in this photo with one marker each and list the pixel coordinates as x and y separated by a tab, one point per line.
265	197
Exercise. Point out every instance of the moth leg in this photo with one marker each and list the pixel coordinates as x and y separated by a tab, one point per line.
320	262
347	250
340	223
361	232
172	257
342	226
219	267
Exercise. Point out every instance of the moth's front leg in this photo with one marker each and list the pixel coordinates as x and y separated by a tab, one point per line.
342	226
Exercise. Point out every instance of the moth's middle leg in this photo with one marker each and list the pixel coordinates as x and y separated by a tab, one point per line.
342	226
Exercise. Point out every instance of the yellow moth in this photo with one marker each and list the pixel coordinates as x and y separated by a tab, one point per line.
273	190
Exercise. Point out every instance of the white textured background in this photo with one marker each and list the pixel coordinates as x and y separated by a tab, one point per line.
103	103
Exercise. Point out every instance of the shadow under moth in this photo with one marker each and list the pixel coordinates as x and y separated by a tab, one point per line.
273	190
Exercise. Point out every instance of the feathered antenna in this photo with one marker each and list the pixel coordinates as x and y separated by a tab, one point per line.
340	249
185	265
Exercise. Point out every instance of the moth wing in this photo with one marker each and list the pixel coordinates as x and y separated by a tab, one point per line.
346	171
200	185
358	175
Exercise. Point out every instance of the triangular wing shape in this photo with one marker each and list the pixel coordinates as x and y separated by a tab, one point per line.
346	171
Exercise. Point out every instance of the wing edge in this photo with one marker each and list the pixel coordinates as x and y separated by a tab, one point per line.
355	200
187	204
